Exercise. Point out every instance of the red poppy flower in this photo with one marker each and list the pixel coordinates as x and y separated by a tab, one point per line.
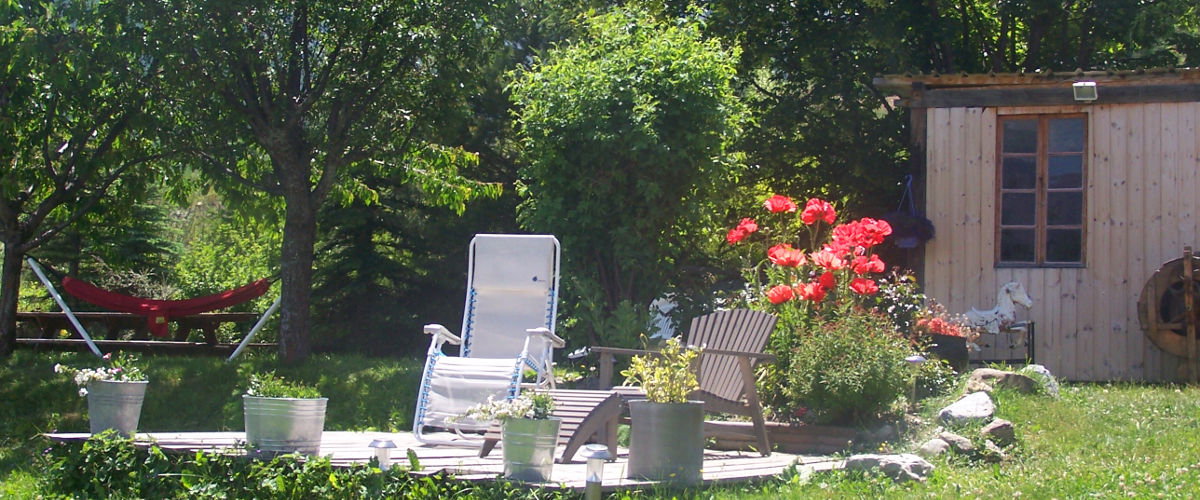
828	280
864	265
863	286
743	229
780	294
780	203
817	209
811	291
784	255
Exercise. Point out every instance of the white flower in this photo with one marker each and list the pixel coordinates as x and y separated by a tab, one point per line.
82	391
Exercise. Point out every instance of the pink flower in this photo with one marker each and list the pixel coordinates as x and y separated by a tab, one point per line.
784	255
865	265
780	203
827	259
817	209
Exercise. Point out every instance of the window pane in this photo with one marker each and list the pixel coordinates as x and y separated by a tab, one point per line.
1016	245
1064	245
1020	172
1020	136
1066	171
1064	208
1017	209
1066	135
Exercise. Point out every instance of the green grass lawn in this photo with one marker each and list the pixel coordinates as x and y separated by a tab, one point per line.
1096	441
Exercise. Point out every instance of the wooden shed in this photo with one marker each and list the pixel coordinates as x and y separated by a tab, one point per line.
1079	200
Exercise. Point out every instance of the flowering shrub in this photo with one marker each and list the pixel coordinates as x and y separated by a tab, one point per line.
537	406
121	368
936	320
821	279
269	385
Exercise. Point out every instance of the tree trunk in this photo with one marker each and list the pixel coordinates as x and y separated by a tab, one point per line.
10	288
296	261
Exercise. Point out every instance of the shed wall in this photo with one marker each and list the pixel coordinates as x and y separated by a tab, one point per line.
1141	200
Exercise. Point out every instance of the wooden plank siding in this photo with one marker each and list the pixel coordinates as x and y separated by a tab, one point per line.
1140	182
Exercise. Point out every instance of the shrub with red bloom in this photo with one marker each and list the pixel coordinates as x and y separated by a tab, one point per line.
863	286
780	203
780	294
864	265
817	209
785	256
743	229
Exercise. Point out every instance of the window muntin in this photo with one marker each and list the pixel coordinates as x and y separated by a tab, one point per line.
1041	190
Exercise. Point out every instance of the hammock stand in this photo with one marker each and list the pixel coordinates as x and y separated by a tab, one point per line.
157	312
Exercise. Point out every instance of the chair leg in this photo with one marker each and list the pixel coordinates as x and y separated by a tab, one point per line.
756	413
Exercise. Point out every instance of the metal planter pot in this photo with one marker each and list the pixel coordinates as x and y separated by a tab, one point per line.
115	405
666	441
284	425
529	448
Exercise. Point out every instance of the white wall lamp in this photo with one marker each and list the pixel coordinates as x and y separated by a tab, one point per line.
1084	91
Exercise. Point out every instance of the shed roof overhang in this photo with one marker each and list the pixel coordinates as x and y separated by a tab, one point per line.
1041	88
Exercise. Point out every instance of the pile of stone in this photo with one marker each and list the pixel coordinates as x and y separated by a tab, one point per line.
976	407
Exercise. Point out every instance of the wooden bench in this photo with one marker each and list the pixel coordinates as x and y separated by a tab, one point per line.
587	416
49	323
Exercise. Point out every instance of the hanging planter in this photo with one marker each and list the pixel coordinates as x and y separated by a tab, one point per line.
909	228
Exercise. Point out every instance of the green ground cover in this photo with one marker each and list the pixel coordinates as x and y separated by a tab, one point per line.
1096	441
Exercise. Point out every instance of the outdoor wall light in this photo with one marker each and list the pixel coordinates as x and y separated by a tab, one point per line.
596	454
1084	91
383	452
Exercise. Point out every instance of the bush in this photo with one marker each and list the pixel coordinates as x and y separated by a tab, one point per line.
850	369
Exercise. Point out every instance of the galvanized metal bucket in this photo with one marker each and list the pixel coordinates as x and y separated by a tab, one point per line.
284	425
529	448
666	441
115	405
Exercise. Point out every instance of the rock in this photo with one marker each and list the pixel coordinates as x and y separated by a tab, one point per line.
974	407
992	452
958	443
989	379
933	448
885	432
1001	431
904	467
1044	377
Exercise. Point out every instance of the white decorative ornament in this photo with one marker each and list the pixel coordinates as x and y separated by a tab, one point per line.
1004	314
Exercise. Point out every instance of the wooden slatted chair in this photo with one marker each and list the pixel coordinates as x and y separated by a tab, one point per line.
733	342
585	417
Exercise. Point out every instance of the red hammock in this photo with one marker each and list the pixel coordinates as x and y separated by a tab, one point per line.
158	312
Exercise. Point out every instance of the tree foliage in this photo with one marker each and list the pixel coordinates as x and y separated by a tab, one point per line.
626	135
75	83
300	100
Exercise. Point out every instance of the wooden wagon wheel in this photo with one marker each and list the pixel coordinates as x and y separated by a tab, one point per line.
1161	306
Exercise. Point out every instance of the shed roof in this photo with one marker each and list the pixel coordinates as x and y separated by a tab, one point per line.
1041	88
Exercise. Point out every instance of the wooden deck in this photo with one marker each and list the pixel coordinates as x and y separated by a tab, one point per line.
348	448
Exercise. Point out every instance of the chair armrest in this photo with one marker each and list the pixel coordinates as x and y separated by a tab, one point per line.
620	351
443	333
555	341
758	356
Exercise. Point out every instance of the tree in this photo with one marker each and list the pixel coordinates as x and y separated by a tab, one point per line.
75	90
298	100
626	137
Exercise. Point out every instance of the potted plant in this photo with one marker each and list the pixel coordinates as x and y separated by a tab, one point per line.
115	392
283	416
945	336
528	436
666	441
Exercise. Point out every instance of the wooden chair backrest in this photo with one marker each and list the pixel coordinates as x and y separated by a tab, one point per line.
741	330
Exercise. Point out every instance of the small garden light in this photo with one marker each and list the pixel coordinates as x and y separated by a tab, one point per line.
914	360
596	455
383	452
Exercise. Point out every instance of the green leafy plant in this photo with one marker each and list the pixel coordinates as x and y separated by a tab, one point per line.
269	385
849	370
537	406
666	377
120	368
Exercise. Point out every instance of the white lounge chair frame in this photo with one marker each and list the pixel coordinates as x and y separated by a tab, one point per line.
508	327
